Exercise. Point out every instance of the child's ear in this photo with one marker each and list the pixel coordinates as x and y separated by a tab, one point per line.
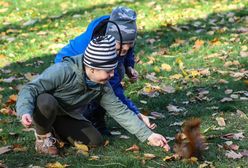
91	70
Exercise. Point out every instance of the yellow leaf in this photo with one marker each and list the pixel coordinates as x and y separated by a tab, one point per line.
166	67
81	147
56	165
176	76
149	156
194	73
221	121
156	69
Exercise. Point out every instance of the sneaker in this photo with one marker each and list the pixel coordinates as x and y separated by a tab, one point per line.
46	144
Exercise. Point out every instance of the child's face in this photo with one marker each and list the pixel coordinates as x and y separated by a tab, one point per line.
100	76
125	48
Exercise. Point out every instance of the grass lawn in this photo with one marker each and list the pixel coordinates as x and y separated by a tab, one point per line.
197	47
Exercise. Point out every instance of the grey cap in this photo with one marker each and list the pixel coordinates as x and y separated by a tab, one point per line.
125	18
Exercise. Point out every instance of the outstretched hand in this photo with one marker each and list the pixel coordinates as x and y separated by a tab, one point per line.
26	120
158	140
132	74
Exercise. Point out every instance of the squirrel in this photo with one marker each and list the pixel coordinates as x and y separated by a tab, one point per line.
190	142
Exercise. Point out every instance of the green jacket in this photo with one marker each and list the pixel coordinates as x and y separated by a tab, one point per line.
66	82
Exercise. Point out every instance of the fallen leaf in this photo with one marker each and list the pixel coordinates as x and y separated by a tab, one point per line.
222	81
149	156
168	89
244	153
143	101
5	149
226	99
176	77
82	148
30	22
9	80
198	44
94	157
221	121
124	137
170	158
233	155
241	114
228	91
243	54
157	115
206	164
115	133
30	76
106	143
172	108
19	148
177	123
166	67
234	96
133	148
237	136
56	165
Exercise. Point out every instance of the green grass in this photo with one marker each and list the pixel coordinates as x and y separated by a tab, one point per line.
56	25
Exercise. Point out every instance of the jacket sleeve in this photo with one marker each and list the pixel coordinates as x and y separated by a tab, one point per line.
78	45
125	117
49	80
129	59
119	92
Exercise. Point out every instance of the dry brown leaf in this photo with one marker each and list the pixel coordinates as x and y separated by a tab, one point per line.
149	156
221	121
198	44
5	149
9	80
133	148
243	54
226	99
7	111
237	136
244	153
168	89
19	148
157	115
228	91
241	114
172	108
222	81
233	155
106	143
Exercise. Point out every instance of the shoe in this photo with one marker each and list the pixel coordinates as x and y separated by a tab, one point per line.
104	131
46	144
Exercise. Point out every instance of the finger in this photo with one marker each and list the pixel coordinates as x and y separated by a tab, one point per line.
166	147
153	126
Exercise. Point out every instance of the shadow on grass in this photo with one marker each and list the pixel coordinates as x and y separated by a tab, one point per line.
167	36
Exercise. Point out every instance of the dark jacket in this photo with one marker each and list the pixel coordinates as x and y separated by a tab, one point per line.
79	44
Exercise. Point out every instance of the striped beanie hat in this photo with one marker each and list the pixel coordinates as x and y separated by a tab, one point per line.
101	53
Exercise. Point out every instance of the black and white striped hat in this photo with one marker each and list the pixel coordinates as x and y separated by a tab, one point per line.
101	53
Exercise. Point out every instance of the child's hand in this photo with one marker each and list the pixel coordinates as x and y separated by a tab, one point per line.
145	119
158	140
26	120
132	74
